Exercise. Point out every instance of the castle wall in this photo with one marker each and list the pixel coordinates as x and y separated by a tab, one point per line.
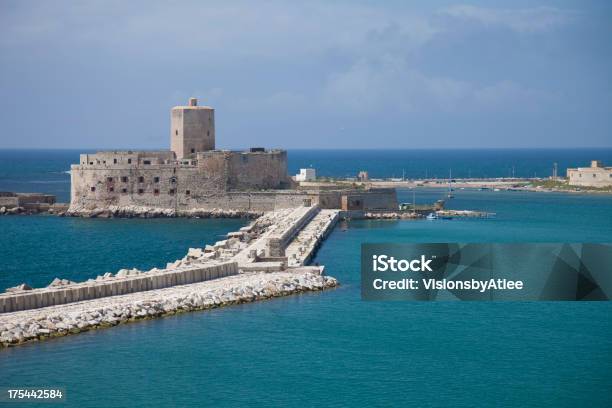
258	170
590	176
153	180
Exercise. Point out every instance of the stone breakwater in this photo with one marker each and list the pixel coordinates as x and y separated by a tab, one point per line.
39	324
134	211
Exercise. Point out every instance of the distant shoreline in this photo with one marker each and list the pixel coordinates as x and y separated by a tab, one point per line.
493	184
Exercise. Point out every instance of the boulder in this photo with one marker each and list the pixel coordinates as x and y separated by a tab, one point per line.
15	210
60	282
19	288
195	253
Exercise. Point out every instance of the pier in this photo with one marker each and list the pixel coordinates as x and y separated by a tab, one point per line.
267	258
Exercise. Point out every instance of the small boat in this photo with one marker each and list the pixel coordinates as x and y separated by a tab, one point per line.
432	216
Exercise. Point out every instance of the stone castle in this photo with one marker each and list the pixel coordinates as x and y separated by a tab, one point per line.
195	175
595	176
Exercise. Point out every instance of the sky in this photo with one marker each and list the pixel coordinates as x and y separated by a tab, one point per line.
329	74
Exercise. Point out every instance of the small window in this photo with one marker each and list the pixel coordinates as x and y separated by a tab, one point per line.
129	161
176	132
594	175
192	150
156	179
124	190
171	192
124	179
173	179
156	191
111	189
93	189
140	191
91	163
208	133
146	162
103	161
141	179
109	179
115	161
187	192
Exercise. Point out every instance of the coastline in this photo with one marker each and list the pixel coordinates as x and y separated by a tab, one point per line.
487	184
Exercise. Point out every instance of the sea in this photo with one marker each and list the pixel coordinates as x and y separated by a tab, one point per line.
328	348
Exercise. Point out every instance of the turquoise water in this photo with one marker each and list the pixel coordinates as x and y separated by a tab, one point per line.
327	348
36	249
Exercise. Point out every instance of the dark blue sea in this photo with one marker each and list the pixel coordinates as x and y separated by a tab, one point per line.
330	348
47	170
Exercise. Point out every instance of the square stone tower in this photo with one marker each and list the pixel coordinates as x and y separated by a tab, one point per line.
192	129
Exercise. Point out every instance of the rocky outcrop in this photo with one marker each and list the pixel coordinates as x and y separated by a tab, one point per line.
20	327
19	288
57	283
133	211
392	215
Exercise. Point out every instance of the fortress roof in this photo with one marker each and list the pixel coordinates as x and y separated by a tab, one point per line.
193	104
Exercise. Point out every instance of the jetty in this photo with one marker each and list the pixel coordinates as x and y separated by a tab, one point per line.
267	258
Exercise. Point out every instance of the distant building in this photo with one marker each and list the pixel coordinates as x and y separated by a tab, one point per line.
363	176
306	175
595	176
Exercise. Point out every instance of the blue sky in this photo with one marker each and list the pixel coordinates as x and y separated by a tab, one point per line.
332	74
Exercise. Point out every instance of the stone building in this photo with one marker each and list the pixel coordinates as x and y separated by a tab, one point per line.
306	175
195	175
595	176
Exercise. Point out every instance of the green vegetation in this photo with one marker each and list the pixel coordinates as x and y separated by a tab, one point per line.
563	185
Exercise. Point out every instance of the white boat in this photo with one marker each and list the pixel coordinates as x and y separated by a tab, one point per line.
432	216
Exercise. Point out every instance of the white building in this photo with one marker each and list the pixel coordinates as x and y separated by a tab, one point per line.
595	176
306	175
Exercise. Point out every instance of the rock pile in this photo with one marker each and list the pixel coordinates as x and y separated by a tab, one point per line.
392	215
13	211
57	282
19	288
20	327
134	211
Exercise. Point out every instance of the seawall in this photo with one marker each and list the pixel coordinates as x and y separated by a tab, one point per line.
44	297
264	259
39	324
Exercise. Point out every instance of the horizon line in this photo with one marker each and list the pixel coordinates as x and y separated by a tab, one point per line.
316	148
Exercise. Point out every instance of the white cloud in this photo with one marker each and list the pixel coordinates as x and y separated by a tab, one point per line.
366	57
394	86
526	20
